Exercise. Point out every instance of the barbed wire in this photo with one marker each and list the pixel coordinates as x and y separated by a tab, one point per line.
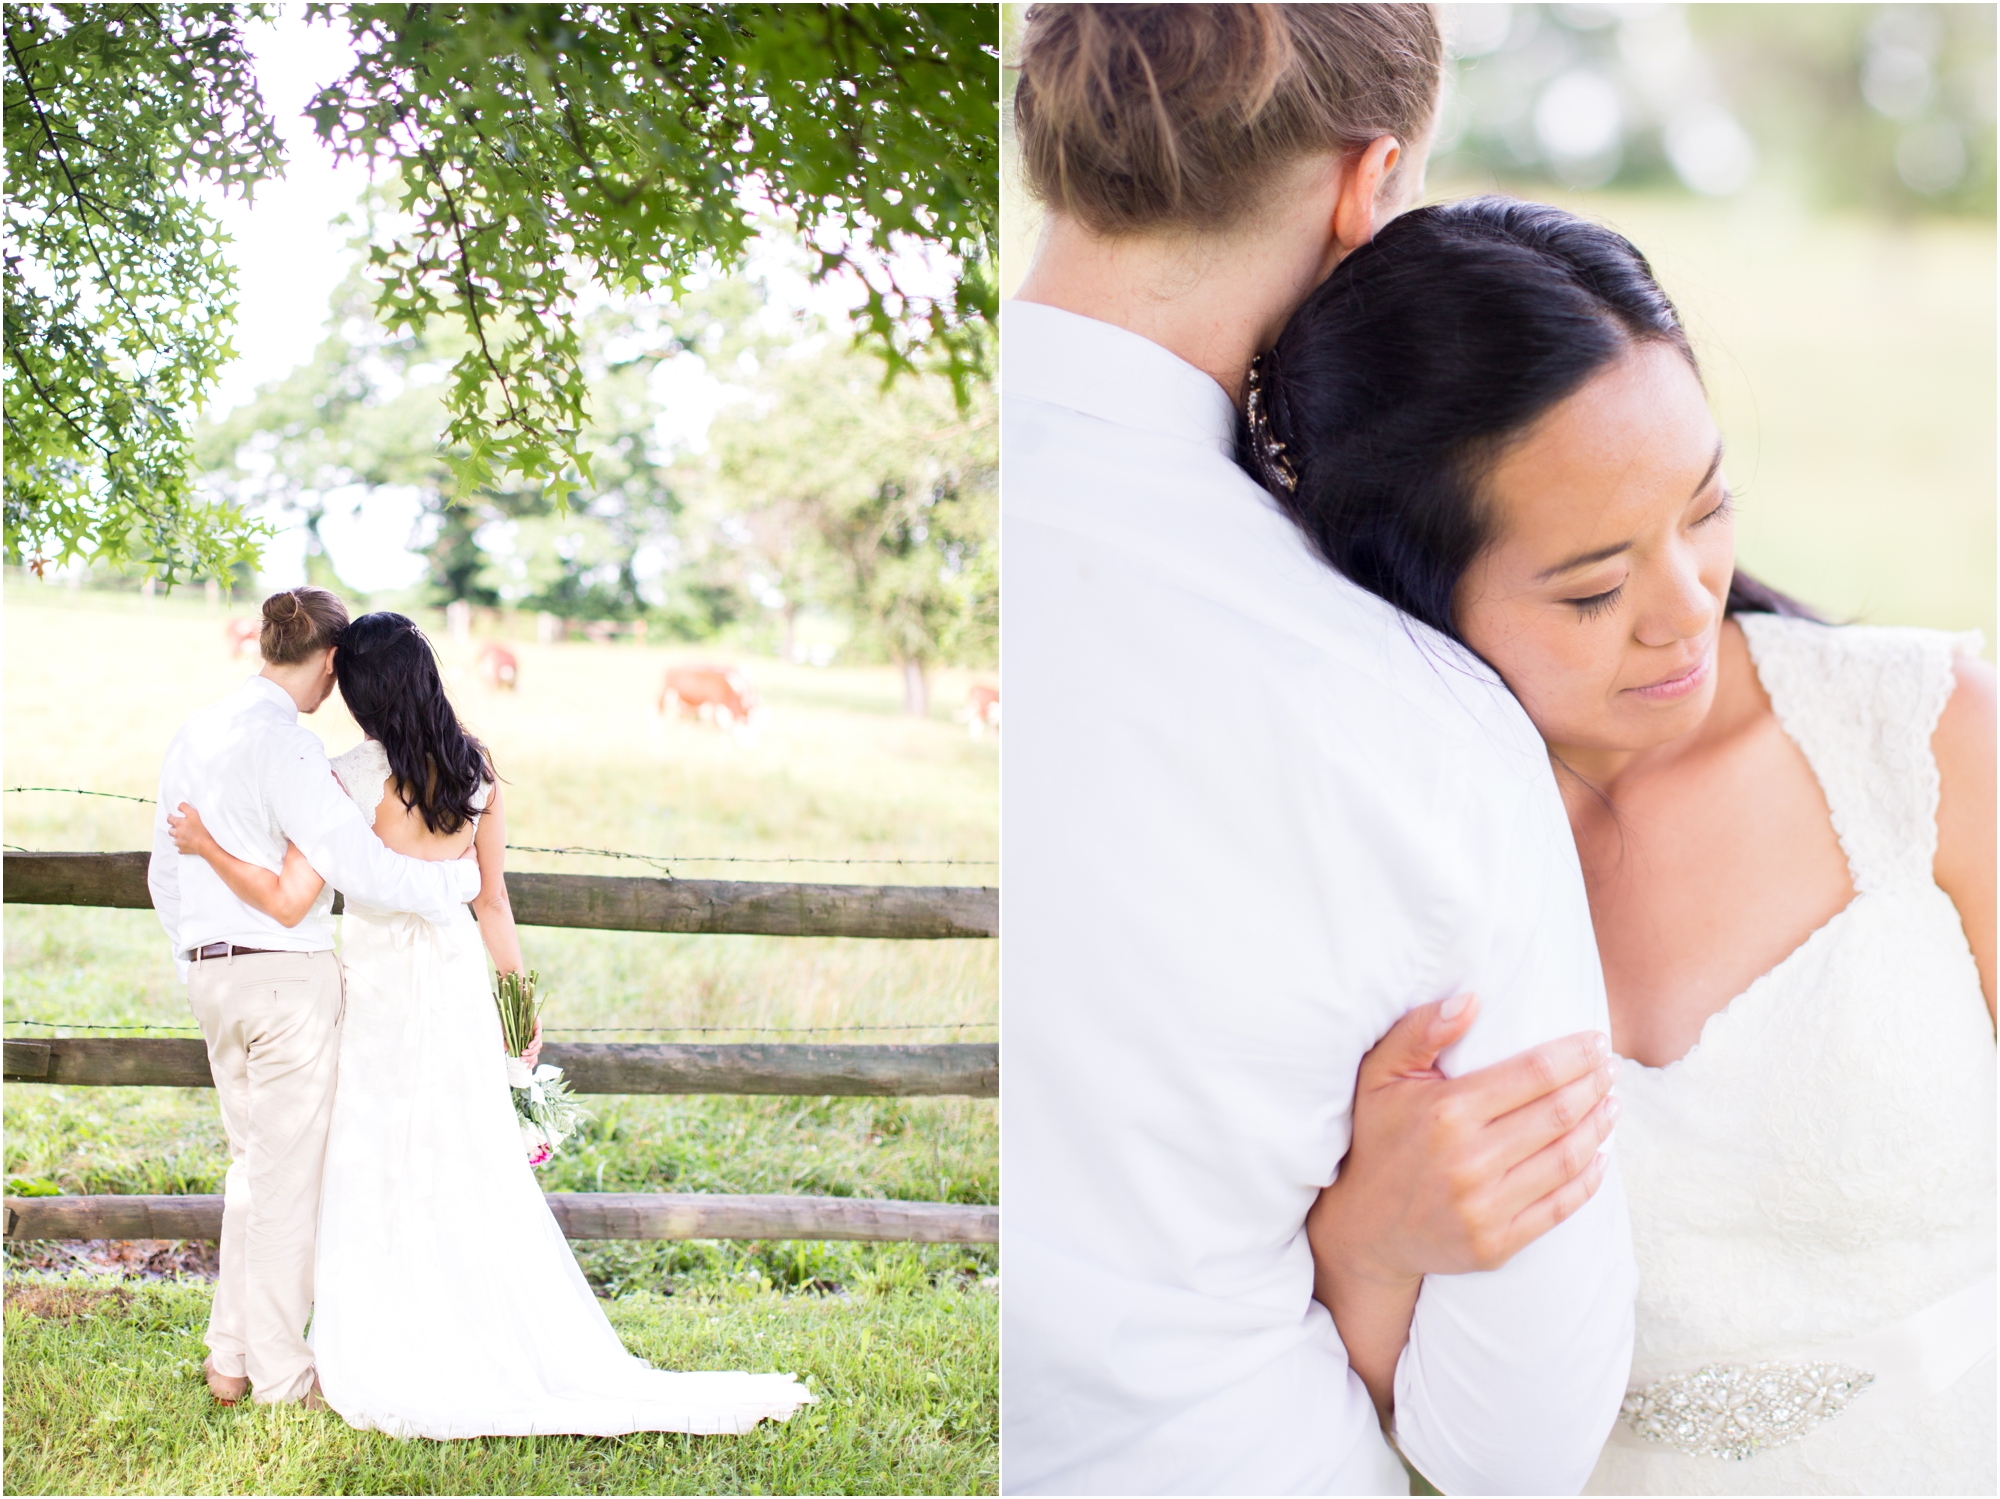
658	861
663	859
116	796
588	1030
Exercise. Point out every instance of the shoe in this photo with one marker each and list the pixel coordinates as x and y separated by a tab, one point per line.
314	1400
226	1388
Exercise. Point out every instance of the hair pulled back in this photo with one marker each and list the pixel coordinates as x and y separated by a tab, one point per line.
388	676
298	622
1408	371
1161	117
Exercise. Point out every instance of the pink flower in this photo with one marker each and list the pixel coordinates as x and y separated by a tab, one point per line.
538	1147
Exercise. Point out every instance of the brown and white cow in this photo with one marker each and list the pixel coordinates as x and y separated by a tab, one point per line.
498	667
982	709
240	635
721	695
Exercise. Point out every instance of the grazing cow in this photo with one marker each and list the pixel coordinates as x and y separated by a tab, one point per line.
982	709
498	669
240	635
720	694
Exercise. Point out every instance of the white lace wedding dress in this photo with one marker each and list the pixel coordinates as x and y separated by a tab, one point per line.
1812	1186
447	1302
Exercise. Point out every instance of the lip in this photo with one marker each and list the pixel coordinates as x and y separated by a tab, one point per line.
1670	689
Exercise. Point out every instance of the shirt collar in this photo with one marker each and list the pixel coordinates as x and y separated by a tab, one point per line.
1113	374
268	691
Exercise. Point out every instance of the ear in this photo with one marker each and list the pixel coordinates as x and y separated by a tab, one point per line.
1357	207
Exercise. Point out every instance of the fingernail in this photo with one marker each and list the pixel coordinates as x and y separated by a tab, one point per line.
1454	1007
1612	1109
1610	1072
1601	1044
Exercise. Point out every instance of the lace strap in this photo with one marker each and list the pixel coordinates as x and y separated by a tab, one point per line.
1862	701
363	773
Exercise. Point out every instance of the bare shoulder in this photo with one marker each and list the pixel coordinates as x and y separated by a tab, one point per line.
1963	745
1964	869
1964	739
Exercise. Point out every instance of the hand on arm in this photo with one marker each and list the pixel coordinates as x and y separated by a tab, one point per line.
285	897
1447	1175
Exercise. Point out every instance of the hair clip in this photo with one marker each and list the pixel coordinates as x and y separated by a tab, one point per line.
1274	467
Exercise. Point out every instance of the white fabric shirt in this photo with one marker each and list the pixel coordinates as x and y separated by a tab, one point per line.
259	777
1250	816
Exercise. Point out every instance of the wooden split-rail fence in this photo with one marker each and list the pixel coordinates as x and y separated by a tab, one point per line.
604	903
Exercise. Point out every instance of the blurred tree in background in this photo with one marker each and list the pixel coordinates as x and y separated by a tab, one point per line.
821	493
540	153
880	506
1889	108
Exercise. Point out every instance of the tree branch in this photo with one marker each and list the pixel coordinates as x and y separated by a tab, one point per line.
465	273
50	401
76	195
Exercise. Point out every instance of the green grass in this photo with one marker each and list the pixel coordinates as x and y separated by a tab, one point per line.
110	1401
96	684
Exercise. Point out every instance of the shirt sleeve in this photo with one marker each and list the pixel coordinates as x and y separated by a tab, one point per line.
1512	1378
330	831
163	879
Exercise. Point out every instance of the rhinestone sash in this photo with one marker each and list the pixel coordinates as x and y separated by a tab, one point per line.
1736	1410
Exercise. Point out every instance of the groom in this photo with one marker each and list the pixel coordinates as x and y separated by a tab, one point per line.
268	998
1255	823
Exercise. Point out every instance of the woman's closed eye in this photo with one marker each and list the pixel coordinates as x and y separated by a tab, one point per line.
1723	507
1597	603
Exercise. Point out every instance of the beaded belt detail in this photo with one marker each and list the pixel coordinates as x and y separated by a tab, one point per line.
1737	1410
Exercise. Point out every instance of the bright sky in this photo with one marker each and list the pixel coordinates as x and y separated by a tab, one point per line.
289	258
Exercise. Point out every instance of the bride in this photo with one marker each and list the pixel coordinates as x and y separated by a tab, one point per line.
1491	417
447	1302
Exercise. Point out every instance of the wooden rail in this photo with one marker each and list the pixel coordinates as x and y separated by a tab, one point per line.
962	1068
601	902
583	1215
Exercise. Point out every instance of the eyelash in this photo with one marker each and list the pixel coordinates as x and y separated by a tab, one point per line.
1598	603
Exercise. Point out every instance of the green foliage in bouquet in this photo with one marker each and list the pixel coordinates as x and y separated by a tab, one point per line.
544	1107
514	993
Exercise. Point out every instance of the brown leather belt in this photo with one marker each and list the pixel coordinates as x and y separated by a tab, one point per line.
224	950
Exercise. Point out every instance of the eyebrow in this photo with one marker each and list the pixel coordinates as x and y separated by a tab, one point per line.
1584	559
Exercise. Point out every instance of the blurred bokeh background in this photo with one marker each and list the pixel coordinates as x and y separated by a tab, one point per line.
1814	185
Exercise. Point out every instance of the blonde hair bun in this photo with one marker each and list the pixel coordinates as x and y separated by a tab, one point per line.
298	622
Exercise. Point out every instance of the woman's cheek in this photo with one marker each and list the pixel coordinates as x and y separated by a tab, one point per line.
1540	666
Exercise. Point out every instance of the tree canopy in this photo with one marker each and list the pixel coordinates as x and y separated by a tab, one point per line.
538	150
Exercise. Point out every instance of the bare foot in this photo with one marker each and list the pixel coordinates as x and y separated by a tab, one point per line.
226	1388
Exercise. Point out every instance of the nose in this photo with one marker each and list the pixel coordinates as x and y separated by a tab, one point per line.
1683	608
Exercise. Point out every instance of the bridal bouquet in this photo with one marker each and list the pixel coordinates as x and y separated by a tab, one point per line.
544	1107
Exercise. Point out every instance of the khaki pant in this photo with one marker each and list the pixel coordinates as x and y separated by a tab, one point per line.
272	1023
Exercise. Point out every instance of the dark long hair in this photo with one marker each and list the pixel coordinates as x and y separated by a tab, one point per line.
1405	374
388	676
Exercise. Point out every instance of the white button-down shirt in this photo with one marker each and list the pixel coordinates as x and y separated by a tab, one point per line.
259	777
1251	815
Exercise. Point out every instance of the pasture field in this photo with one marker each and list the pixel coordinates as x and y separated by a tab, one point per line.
95	684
